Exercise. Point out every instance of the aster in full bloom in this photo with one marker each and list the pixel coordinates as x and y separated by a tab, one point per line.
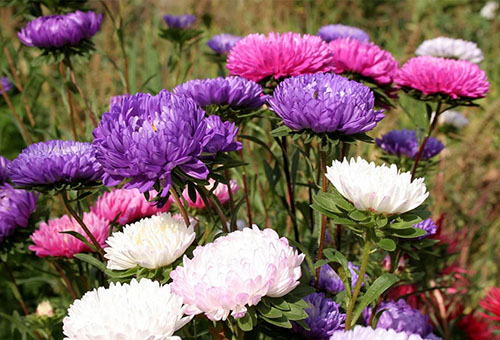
152	242
4	171
339	31
221	192
368	333
381	189
7	85
324	318
331	282
49	241
236	271
325	103
16	207
405	143
221	136
453	118
179	21
137	310
456	79
172	126
451	48
278	55
54	163
491	303
428	225
223	43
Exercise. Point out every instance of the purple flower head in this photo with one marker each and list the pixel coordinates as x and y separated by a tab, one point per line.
6	84
324	317
325	103
338	31
179	21
16	207
235	92
427	225
55	162
147	137
222	136
432	148
405	143
117	100
330	281
54	31
223	43
4	170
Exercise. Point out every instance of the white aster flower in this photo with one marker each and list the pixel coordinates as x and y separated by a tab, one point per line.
368	333
236	271
453	118
451	48
139	310
151	243
377	188
489	10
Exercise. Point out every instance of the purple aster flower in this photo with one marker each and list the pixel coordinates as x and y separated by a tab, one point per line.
405	143
147	137
117	100
324	317
330	281
54	31
16	207
235	92
222	136
179	21
55	162
338	31
325	103
223	43
427	225
6	84
4	171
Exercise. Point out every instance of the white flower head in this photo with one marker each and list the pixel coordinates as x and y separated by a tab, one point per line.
44	308
368	333
451	48
151	243
489	10
139	310
381	189
453	118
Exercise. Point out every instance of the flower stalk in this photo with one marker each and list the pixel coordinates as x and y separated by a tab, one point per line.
181	207
324	188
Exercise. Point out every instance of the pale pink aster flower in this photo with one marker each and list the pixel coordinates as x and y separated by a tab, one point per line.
278	55
128	204
455	78
364	58
49	241
221	192
236	271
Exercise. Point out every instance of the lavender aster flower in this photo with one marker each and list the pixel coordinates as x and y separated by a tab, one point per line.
147	137
54	31
222	136
405	143
427	225
4	171
6	84
324	317
117	100
223	43
333	32
179	21
16	207
325	103
55	162
329	280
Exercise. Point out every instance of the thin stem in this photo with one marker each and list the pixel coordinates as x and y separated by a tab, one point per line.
216	204
230	191
70	103
13	279
80	91
324	188
245	188
291	193
22	128
180	206
122	47
66	280
311	210
343	152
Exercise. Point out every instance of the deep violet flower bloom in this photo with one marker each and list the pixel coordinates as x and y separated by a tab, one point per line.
55	31
7	85
428	225
16	206
339	31
147	137
325	103
221	136
405	143
179	21
117	100
278	55
4	171
330	281
223	43
55	162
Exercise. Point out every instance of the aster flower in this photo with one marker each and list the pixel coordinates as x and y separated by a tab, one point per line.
451	48
49	241
324	317
381	189
428	225
457	79
6	84
491	303
55	31
172	126
325	103
16	207
179	21
278	55
152	242
331	282
221	192
236	271
221	136
453	118
54	163
489	10
363	58
223	43
117	100
368	333
139	310
339	31
405	143
4	171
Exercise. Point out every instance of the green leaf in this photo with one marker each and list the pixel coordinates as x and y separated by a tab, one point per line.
80	237
280	303
281	131
246	323
92	260
408	233
268	311
301	291
280	322
295	313
359	216
387	244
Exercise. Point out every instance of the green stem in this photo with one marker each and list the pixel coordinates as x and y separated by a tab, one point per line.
324	188
180	206
230	191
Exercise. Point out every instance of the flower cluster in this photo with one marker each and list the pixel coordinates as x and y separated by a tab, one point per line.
339	31
405	143
223	43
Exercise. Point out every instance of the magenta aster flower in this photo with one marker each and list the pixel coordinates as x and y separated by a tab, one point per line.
179	21
364	59
339	31
6	84
405	143
16	207
4	171
278	55
221	192
449	77
223	43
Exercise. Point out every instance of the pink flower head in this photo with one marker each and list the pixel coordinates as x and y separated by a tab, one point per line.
221	192
257	56
364	58
455	78
128	204
49	241
236	271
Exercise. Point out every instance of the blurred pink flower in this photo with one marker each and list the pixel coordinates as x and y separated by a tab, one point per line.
49	241
455	78
365	58
258	56
130	204
221	192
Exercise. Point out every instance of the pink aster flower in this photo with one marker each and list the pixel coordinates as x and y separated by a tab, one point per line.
236	271
49	241
221	192
277	55
364	58
455	78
